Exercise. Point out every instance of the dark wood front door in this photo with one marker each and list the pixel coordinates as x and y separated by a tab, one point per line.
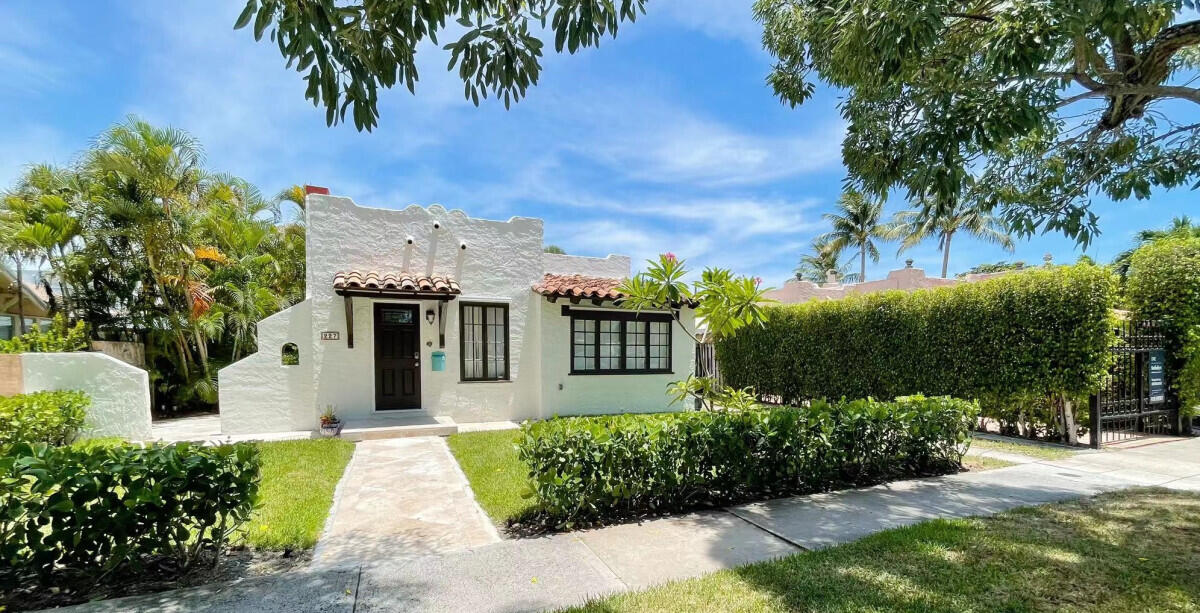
397	357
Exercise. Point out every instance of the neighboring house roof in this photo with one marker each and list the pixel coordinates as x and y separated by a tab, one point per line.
580	287
35	296
394	283
906	279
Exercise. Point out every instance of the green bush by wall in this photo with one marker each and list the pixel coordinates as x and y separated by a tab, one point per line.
587	468
1164	283
1015	343
42	417
59	338
70	515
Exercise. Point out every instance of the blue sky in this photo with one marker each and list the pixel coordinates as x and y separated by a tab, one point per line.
665	139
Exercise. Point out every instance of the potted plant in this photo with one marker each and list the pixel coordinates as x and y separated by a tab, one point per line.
331	425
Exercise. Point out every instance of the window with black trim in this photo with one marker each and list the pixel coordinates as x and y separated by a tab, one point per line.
483	341
605	342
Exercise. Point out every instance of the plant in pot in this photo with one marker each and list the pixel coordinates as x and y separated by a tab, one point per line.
331	425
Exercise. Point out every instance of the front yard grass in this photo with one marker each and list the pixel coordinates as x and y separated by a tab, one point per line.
498	477
978	463
298	480
1043	452
1129	551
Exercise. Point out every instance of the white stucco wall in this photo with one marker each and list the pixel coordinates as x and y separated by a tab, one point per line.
613	266
500	264
120	392
502	261
258	393
584	394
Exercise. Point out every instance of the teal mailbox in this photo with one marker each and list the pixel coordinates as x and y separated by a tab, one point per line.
439	360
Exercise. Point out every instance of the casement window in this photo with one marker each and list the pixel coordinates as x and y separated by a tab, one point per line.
483	339
608	343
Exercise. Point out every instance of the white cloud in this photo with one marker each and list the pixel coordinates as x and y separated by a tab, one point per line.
719	19
646	137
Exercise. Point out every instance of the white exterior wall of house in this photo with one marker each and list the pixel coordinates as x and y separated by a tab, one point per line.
614	266
566	394
501	263
119	392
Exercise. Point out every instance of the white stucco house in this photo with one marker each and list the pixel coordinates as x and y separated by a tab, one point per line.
427	311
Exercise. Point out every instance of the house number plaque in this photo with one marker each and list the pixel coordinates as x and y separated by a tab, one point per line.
330	335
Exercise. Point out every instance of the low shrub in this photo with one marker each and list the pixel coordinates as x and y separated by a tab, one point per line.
1018	343
71	516
60	337
54	418
589	468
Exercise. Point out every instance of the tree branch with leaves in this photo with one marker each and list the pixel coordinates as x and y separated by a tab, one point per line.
724	302
1029	107
348	51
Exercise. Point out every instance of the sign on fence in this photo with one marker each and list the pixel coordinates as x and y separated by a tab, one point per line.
1157	377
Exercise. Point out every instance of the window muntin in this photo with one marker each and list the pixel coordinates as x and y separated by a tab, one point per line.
620	343
483	341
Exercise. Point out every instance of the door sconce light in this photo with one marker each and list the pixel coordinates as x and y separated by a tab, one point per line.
429	315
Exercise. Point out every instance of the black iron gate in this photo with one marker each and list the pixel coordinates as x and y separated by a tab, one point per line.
1133	401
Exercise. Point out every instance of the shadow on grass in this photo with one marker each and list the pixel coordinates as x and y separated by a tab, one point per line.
1135	551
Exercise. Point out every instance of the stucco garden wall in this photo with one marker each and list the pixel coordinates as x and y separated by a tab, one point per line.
120	392
595	394
259	393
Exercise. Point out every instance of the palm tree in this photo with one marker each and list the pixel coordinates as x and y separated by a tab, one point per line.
914	226
816	265
857	224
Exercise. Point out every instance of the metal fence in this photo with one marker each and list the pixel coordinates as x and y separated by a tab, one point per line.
1133	400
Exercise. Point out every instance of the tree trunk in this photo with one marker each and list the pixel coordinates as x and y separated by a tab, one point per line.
862	275
946	255
1069	422
20	299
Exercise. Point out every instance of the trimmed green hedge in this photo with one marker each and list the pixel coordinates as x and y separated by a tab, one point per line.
1011	342
42	417
588	468
1164	283
70	516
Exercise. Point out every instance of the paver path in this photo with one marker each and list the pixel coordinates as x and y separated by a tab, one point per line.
401	498
565	569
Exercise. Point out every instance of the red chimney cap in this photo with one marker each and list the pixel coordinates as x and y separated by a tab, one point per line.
316	189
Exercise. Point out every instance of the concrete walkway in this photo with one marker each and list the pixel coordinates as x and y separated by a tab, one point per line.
401	498
561	570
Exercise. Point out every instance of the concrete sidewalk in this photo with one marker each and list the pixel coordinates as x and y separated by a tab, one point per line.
562	570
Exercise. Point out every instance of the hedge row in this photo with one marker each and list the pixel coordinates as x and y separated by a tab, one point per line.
42	417
1005	341
1164	283
588	468
69	516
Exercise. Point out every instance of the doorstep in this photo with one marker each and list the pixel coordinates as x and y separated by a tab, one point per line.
399	426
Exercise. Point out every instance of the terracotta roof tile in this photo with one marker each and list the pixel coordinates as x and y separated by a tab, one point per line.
579	286
395	282
584	287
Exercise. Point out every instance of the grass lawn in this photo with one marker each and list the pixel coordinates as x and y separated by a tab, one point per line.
1044	452
498	478
1130	551
298	479
977	463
